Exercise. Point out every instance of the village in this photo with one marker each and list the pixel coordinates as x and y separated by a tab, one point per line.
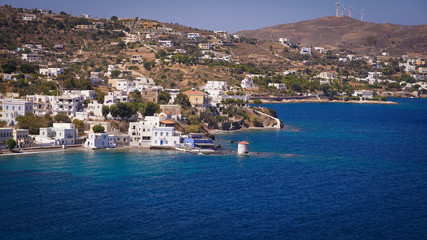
136	83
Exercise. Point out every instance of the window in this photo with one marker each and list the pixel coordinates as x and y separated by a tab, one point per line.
161	133
155	133
167	134
19	108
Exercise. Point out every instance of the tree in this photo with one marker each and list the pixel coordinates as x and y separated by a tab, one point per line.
149	109
33	123
193	119
114	18
182	100
105	110
10	143
115	73
164	97
258	102
80	125
62	118
9	67
136	96
98	129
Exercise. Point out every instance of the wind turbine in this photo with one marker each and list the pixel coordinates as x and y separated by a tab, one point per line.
342	11
361	14
338	8
349	10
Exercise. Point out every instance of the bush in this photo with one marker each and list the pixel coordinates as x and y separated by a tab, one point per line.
98	129
10	143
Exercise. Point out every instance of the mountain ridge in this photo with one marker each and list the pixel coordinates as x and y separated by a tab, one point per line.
345	33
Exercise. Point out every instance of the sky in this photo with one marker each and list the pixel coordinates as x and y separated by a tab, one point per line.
235	15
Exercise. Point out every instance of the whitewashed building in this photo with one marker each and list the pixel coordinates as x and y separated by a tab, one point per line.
100	140
30	57
305	51
247	83
12	108
165	137
51	71
59	134
280	86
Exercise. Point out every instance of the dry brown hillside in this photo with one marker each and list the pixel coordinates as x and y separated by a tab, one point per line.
348	34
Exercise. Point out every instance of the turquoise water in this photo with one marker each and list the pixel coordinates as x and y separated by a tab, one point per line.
337	171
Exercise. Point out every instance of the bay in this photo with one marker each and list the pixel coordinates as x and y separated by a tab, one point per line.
336	171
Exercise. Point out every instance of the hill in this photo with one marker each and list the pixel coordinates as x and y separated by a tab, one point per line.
349	34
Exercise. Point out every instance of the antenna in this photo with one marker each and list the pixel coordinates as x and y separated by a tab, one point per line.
361	15
338	8
349	10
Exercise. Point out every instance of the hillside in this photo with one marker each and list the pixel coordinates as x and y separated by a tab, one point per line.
348	34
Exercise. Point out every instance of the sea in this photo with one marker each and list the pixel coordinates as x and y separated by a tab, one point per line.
336	171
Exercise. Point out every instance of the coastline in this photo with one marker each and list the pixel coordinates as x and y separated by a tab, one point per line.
53	150
330	101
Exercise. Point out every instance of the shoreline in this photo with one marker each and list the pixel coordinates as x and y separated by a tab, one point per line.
330	101
54	150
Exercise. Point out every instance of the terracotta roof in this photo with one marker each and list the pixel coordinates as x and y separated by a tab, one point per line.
194	92
244	142
167	122
166	112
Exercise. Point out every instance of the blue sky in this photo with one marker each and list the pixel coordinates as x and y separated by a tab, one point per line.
235	15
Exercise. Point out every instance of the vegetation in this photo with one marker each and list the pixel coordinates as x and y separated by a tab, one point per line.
33	123
98	129
10	143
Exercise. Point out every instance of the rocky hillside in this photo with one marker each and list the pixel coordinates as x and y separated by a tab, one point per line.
348	34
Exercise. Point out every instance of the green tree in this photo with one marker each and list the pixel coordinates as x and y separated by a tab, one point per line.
149	109
182	100
10	143
98	129
258	102
115	73
62	118
80	125
164	97
194	119
105	110
114	18
9	67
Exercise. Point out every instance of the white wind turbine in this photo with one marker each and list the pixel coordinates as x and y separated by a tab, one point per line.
349	10
342	11
338	8
361	14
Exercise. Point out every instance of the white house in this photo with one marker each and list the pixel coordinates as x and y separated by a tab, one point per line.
165	137
194	35
100	140
216	85
363	94
95	108
42	104
247	83
173	93
165	43
30	57
280	86
51	71
59	134
69	104
284	40
328	75
319	49
12	108
29	17
305	51
140	132
114	97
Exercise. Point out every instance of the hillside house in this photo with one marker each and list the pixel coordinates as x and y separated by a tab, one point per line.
29	17
305	51
197	98
30	57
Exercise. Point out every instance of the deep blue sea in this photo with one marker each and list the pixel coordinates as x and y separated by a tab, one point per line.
337	171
